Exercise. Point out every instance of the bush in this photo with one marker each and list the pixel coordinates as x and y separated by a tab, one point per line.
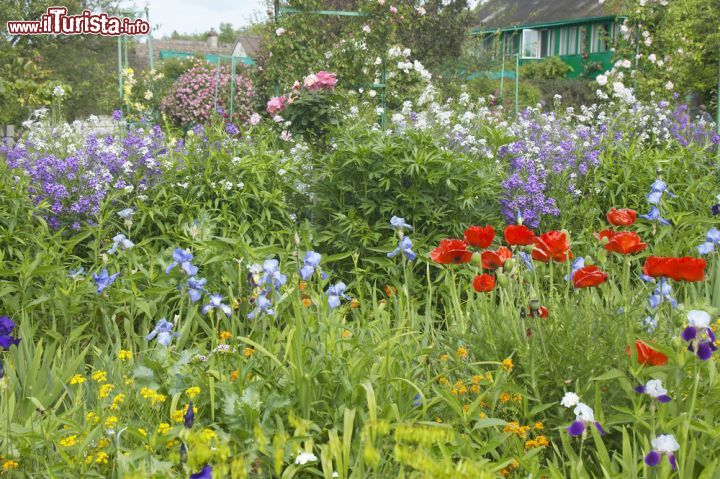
545	69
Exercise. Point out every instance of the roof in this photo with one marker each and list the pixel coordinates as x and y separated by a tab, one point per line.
250	45
507	14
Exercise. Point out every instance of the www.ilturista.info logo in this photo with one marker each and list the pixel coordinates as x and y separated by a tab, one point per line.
57	22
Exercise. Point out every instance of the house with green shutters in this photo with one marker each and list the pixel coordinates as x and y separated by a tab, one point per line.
580	32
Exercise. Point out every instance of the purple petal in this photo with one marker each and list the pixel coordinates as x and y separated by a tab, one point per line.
711	335
704	351
640	389
599	428
671	458
689	333
664	398
653	458
576	428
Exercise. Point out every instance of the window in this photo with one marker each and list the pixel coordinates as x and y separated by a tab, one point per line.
582	39
568	40
530	44
552	42
509	43
598	38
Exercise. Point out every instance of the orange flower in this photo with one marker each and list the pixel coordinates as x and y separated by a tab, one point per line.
451	251
621	217
627	242
484	283
647	355
390	290
518	235
679	269
589	276
552	245
492	260
479	236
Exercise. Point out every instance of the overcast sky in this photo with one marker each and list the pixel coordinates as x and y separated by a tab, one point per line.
196	16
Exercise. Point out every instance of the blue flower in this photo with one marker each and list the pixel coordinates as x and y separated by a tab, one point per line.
661	293
699	335
399	223
196	286
262	304
404	245
650	324
712	238
335	293
273	276
189	416
706	248
231	129
216	302
656	191
182	258
655	390
577	264
526	259
311	261
6	327
205	473
103	280
126	214
654	215
76	274
163	331
417	400
120	241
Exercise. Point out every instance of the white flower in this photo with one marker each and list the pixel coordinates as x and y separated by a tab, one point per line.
148	95
665	443
366	28
669	85
654	388
652	57
58	91
602	80
279	31
421	11
626	64
584	413
305	457
570	399
698	319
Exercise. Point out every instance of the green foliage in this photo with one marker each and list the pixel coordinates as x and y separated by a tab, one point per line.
549	68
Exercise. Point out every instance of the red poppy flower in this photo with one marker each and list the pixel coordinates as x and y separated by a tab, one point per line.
647	355
451	251
479	236
679	269
484	283
541	312
589	276
626	242
552	245
519	235
621	217
605	234
492	260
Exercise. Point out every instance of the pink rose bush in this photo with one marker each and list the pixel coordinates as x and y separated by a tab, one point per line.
191	100
314	82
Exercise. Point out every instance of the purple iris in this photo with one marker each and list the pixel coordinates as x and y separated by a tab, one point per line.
399	223
117	115
205	473
272	275
712	238
655	390
216	302
654	215
656	191
404	245
6	327
583	415
662	293
196	286
578	263
700	338
262	305
120	241
163	332
665	444
336	292
189	416
311	261
526	259
103	280
231	129
182	258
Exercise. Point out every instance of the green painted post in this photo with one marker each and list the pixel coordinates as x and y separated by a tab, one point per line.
502	75
125	47
120	80
517	82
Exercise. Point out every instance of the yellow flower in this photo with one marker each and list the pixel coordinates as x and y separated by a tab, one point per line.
444	357
89	459
505	397
77	379
443	380
163	428
172	444
125	355
142	432
103	442
105	390
207	435
99	376
466	407
9	465
117	400
92	418
192	392
248	352
438	419
346	334
539	426
306	302
462	352
507	364
128	381
234	375
225	335
101	458
68	441
482	415
354	303
475	388
111	422
177	415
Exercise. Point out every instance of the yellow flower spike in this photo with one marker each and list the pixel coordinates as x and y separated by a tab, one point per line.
507	364
125	355
462	352
346	334
248	352
225	335
103	442
101	458
178	415
539	426
117	400
92	418
234	375
142	432
444	357
68	441
163	428
77	379
10	465
111	422
105	390
207	435
99	376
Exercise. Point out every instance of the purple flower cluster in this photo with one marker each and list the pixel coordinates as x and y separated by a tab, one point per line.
75	183
548	158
